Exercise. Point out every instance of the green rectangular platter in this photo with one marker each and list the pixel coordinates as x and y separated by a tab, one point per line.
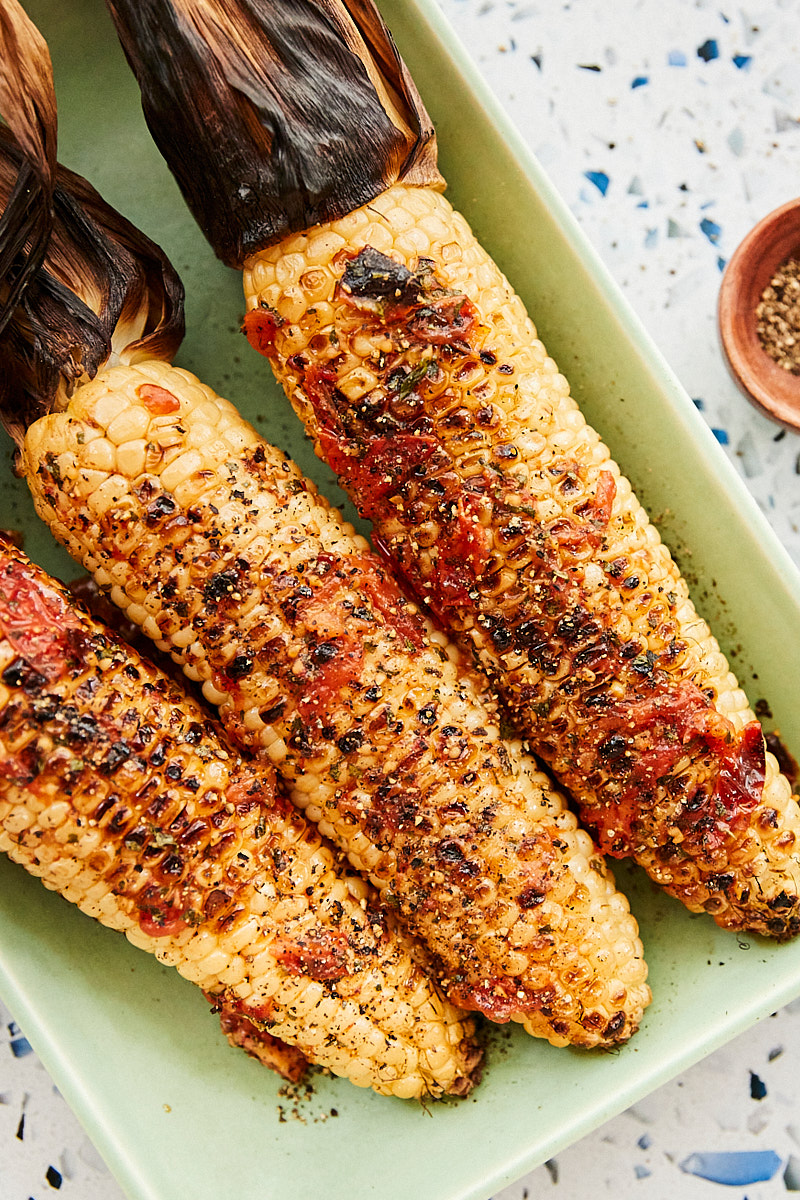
176	1112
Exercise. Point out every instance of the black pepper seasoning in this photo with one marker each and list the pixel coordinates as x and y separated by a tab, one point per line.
778	316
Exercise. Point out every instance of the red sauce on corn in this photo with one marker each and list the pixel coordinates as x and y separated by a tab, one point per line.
348	598
322	955
260	326
329	678
385	462
36	621
356	579
387	599
710	815
161	922
741	779
501	998
157	400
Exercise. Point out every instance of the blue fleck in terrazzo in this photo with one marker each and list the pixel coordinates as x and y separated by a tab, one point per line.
711	229
18	1043
733	1167
709	50
600	180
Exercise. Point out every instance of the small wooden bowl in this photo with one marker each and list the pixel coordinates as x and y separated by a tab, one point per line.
769	387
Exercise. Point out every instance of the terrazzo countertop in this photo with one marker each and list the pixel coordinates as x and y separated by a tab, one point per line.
669	127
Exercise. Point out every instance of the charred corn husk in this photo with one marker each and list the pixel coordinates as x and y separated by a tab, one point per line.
216	546
117	791
420	377
275	76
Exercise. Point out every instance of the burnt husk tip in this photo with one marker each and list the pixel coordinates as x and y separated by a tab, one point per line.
274	117
77	281
27	104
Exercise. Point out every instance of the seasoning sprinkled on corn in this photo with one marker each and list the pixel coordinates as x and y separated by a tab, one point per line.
421	379
227	557
119	793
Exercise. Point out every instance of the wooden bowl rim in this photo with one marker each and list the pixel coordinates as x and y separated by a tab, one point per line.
770	388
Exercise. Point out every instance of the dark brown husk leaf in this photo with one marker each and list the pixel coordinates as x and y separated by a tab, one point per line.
27	102
78	281
103	288
275	115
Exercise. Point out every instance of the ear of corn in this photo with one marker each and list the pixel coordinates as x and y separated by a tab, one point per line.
418	374
117	792
216	546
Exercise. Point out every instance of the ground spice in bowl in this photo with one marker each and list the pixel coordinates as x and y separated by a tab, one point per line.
759	315
778	316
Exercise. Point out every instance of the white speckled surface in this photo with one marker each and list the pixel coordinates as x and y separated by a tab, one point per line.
667	155
670	127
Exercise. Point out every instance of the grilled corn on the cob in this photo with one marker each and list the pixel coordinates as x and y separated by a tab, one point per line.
118	792
420	377
215	545
255	1040
191	520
